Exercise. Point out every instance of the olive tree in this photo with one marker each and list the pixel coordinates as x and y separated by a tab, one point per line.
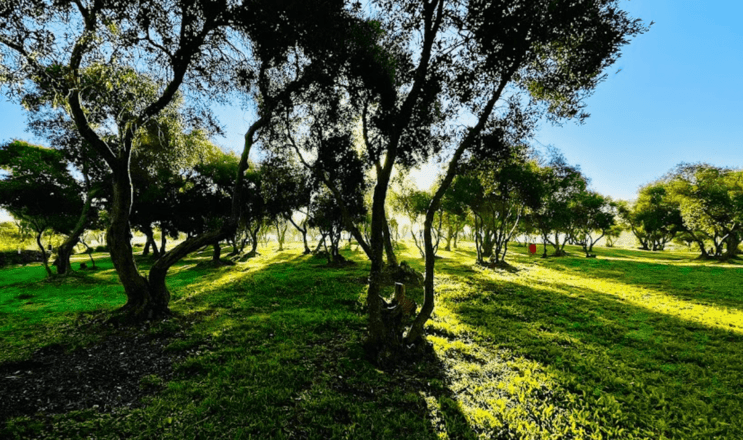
502	63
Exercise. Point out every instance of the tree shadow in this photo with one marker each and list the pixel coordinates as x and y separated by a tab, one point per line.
662	370
710	284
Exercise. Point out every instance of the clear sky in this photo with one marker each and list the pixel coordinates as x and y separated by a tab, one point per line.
678	97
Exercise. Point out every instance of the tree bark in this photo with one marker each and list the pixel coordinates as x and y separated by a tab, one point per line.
44	255
388	249
449	236
150	243
163	240
731	244
303	231
160	269
142	301
64	251
217	251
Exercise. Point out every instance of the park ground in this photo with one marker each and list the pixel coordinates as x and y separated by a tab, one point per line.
629	345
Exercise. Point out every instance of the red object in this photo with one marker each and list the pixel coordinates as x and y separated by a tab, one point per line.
532	249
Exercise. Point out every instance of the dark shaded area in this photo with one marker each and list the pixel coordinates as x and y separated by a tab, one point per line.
23	257
104	376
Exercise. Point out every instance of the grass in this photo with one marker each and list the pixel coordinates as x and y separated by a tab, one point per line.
630	345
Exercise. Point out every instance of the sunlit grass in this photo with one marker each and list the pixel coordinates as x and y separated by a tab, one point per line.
628	345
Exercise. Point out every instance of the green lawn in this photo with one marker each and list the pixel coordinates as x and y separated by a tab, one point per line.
628	345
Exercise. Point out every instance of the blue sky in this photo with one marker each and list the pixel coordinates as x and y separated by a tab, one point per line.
678	97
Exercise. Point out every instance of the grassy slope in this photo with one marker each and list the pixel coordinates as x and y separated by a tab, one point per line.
628	345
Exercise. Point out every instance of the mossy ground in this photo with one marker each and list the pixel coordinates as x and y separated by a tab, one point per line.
628	345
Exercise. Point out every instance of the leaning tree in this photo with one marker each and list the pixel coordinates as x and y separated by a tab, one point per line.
114	66
424	67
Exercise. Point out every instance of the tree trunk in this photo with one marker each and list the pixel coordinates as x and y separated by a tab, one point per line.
217	251
235	249
731	245
320	243
304	241
163	240
303	231
160	269
65	249
142	301
388	249
44	255
147	230
254	240
382	341
449	236
281	234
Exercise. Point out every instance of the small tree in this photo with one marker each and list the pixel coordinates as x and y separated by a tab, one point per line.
710	200
39	190
559	186
593	217
614	232
655	218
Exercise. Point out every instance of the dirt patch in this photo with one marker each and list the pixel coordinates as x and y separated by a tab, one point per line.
105	376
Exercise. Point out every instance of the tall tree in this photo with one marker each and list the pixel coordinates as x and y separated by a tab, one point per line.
90	57
409	93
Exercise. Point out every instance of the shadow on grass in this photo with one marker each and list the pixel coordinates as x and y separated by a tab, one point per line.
274	351
710	283
637	368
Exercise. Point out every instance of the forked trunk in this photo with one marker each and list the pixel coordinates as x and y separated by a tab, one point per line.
150	243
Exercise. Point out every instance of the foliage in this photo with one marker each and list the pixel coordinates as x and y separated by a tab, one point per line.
710	201
655	218
13	237
39	190
594	215
561	185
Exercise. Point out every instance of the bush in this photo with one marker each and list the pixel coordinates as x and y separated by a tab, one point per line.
23	257
102	248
